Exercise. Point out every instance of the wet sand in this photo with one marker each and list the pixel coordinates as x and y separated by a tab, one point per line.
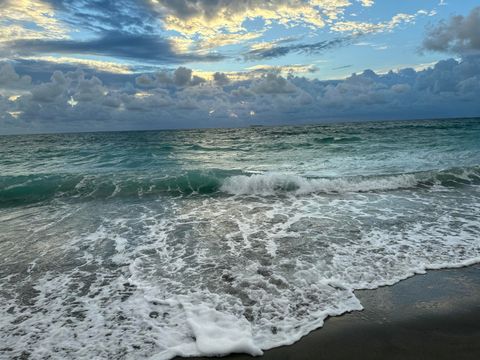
433	316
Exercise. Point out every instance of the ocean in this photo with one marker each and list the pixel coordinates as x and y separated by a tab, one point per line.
159	244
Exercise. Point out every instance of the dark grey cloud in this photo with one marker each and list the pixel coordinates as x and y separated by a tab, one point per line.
342	67
143	47
460	34
9	78
278	51
221	78
108	15
41	71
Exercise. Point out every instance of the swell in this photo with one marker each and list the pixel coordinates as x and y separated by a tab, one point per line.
21	190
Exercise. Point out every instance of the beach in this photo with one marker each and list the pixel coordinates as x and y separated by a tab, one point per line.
431	316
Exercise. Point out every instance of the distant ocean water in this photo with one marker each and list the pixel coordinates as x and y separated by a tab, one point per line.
206	242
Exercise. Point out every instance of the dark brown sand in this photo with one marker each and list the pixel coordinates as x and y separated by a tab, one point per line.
433	316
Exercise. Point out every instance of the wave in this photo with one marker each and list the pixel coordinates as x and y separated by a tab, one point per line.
336	140
18	190
271	184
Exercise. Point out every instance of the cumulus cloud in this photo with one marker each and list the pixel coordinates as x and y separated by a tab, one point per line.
221	78
9	79
74	100
48	92
460	34
181	77
273	84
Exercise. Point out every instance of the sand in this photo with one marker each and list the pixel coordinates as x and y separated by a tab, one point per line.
431	316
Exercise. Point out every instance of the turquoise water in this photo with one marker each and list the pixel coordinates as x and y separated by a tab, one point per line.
206	242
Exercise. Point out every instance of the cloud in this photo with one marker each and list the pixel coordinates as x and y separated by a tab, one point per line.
17	17
278	51
115	29
9	79
221	78
181	77
358	27
284	70
147	48
94	34
273	84
342	67
97	65
107	15
367	3
50	91
206	17
460	35
220	40
75	100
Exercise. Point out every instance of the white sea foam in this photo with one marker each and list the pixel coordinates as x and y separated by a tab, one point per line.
214	275
273	183
214	333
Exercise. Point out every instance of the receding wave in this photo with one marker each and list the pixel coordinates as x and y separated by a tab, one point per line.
17	190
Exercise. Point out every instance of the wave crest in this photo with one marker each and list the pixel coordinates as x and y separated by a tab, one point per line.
271	184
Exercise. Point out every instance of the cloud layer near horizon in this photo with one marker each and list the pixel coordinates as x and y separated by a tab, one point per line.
73	101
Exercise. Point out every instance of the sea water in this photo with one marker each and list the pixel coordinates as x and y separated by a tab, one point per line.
206	242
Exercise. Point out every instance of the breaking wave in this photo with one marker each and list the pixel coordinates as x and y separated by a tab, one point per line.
17	190
269	184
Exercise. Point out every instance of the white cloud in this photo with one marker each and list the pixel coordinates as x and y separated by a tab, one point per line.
359	27
367	3
17	17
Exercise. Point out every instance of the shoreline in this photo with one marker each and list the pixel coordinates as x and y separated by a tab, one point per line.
429	316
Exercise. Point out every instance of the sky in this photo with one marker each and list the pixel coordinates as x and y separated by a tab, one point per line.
98	65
